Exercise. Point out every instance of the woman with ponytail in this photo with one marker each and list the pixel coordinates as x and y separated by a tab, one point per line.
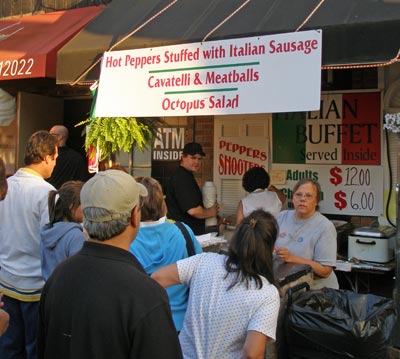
63	235
233	301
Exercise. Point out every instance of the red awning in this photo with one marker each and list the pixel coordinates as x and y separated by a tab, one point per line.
29	44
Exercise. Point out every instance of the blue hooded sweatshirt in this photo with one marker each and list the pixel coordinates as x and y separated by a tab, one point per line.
58	242
161	243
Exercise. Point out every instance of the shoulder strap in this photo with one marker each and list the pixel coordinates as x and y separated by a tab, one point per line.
188	239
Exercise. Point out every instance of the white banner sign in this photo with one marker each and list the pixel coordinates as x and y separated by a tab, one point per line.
266	74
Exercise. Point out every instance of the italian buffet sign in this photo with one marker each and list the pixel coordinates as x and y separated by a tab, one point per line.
265	74
340	146
345	130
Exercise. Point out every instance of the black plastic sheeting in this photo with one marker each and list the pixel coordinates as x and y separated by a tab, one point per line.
331	323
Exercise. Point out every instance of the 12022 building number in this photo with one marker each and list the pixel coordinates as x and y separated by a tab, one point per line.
21	67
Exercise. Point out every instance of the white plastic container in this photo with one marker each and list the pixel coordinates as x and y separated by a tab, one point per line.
371	249
209	192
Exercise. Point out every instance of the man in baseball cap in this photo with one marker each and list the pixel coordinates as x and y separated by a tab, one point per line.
193	148
100	303
109	195
183	198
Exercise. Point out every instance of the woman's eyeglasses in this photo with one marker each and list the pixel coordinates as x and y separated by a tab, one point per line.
306	196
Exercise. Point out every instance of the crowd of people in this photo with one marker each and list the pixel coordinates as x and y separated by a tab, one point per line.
80	260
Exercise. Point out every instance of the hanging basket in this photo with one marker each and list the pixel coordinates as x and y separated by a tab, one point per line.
111	134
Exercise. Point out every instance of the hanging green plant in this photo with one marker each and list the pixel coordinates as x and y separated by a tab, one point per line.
111	134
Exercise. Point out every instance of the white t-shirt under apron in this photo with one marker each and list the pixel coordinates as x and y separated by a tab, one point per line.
265	200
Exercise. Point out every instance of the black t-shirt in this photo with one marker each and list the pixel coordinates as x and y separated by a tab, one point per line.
101	304
183	193
70	166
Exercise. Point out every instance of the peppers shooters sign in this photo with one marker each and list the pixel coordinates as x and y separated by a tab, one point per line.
266	74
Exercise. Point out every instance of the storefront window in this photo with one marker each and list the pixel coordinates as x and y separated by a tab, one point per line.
349	79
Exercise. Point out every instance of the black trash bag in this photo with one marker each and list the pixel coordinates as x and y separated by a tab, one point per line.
331	323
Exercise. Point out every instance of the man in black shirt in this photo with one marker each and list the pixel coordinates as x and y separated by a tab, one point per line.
100	303
70	165
183	198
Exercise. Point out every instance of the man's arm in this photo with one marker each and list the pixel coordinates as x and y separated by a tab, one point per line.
4	319
201	213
